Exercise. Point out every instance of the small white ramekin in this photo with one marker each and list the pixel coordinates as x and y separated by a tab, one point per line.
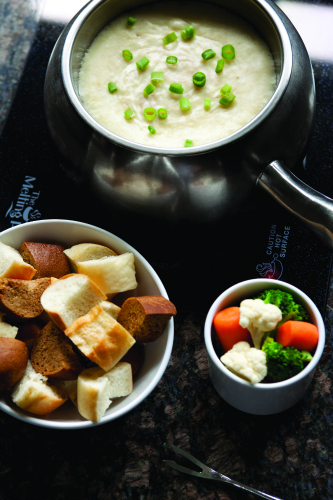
262	398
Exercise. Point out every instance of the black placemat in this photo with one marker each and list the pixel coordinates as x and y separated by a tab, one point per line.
195	262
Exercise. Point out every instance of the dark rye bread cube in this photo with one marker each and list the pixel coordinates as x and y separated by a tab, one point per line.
145	317
49	260
13	361
20	299
53	356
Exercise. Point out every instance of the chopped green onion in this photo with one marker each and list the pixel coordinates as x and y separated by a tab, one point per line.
227	99
176	88
162	113
149	113
187	32
129	114
151	129
188	143
171	37
185	104
208	54
127	55
228	52
219	66
226	88
130	21
207	104
149	89
199	79
112	87
142	63
157	76
171	60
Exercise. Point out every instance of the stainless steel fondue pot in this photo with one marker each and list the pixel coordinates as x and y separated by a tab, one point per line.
200	183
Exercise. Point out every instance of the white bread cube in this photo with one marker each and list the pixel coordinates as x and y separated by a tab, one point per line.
100	337
111	274
7	330
109	307
70	387
69	298
33	393
96	389
86	251
12	264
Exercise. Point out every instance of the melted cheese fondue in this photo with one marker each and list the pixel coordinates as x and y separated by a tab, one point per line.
250	74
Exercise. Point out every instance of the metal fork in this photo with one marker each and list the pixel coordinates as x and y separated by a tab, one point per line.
208	473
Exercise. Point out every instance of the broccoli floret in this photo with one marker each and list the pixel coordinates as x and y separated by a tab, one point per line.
306	356
282	362
285	302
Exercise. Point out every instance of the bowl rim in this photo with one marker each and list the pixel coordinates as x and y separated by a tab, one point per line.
83	15
261	386
153	383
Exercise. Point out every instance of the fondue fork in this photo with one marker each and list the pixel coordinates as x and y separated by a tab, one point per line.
208	473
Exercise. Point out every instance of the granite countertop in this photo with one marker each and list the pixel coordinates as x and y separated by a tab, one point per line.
289	455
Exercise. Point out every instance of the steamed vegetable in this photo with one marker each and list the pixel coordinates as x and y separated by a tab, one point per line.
298	334
286	303
228	329
246	362
282	362
259	318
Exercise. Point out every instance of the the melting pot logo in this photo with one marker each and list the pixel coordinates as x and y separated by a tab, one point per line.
23	210
277	249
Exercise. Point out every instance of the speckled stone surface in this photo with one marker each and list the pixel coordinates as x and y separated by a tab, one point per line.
289	455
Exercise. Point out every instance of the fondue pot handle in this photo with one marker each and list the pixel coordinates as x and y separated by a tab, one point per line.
313	208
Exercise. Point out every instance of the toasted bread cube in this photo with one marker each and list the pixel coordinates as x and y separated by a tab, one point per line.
100	337
96	389
86	251
111	274
12	264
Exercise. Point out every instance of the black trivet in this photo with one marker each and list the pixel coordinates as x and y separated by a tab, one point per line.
196	263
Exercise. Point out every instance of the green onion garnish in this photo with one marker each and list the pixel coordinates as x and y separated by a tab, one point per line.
151	129
187	32
219	65
228	52
171	37
207	104
176	88
149	89
171	60
226	88
157	76
127	55
142	63
112	87
162	113
129	114
188	143
199	79
149	113
130	21
208	54
227	99
185	104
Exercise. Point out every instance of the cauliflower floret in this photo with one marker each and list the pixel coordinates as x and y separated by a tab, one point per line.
259	318
246	362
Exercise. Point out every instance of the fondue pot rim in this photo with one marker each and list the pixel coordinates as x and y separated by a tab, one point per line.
66	55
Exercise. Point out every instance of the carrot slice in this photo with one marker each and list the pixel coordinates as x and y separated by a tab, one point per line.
228	329
298	334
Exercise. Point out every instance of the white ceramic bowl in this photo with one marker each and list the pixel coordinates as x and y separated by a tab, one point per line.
262	398
157	354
